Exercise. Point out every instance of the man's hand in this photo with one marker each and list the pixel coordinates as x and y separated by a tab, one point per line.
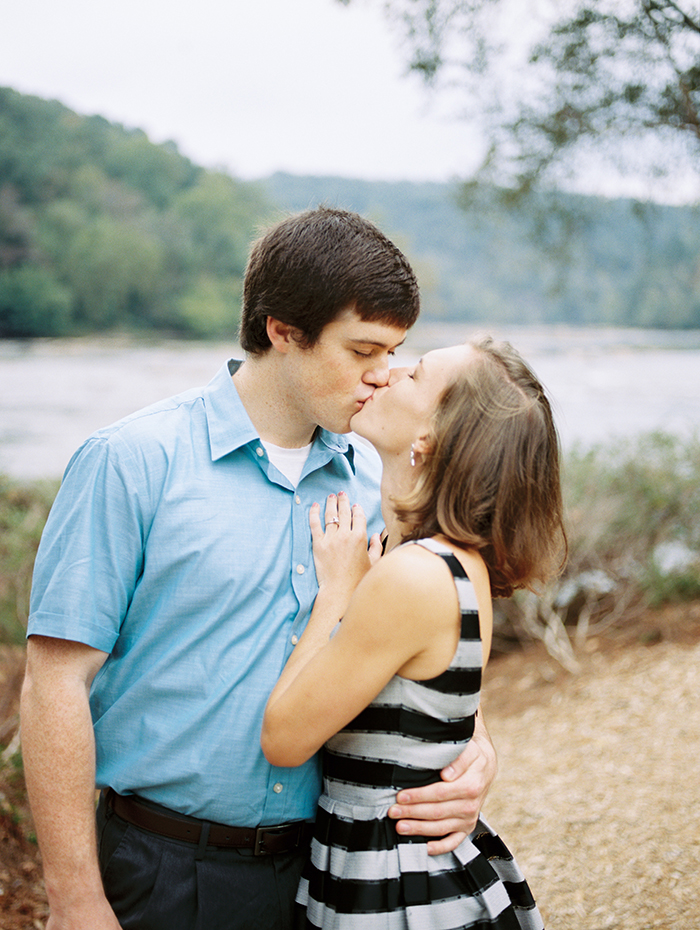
98	916
450	808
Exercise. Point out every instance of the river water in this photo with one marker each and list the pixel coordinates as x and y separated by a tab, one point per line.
604	383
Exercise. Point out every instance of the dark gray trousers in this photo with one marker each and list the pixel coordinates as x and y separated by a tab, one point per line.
154	883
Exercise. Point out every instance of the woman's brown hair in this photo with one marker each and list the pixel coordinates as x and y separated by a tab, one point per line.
492	480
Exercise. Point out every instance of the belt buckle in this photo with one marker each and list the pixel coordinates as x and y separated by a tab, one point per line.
259	847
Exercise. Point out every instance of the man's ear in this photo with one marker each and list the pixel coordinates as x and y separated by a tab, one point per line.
281	335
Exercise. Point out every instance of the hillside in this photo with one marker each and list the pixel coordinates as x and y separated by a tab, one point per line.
101	230
562	258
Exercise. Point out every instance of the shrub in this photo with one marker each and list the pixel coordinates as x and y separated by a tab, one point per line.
23	513
633	518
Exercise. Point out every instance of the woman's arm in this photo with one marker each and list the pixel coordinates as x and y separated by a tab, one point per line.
364	657
342	559
328	681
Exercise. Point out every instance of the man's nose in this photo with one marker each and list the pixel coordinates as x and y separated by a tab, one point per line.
379	374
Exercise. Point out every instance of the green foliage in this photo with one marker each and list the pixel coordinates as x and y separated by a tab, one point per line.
159	171
33	302
633	520
219	219
102	230
630	504
115	271
209	307
23	513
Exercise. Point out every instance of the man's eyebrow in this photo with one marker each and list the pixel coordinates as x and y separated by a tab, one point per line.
380	343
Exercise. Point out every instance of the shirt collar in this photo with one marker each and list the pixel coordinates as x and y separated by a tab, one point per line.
230	427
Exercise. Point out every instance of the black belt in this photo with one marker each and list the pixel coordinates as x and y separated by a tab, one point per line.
281	838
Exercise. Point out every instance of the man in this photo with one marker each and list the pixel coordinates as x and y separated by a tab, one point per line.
174	577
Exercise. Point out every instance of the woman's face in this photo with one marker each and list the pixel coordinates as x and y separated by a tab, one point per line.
400	413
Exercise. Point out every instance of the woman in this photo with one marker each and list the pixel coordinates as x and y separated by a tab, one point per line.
472	503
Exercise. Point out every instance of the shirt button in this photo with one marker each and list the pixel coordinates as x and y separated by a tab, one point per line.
277	787
295	639
300	569
260	450
297	499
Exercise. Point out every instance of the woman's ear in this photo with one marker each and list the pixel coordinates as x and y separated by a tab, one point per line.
424	445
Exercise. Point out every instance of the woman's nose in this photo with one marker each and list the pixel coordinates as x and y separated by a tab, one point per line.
397	374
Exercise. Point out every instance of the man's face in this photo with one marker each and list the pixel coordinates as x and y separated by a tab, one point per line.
330	382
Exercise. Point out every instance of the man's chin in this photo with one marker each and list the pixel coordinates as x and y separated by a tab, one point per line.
340	428
347	426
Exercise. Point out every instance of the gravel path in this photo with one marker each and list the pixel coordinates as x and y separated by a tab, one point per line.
598	793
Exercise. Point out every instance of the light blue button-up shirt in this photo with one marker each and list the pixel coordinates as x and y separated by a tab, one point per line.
176	546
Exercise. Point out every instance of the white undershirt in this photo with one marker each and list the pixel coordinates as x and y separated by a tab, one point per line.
289	461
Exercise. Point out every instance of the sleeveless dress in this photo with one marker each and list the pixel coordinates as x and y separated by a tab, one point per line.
361	875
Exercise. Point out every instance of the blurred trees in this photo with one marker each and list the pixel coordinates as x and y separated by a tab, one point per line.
556	86
570	95
101	230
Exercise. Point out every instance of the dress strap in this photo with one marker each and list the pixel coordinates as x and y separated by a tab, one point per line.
465	589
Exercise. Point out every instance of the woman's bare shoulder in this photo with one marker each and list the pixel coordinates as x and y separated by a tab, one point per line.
407	557
407	576
471	561
412	563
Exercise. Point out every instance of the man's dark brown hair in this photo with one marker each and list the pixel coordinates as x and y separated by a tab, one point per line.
311	267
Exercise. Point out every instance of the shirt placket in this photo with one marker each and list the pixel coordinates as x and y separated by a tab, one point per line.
281	781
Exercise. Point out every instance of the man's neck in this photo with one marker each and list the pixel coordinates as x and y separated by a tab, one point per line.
266	403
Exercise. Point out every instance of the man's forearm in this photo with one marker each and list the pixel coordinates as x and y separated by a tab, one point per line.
59	761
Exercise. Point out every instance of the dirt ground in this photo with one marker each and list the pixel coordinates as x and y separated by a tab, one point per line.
597	792
22	898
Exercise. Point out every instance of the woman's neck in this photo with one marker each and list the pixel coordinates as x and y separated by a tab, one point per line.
398	480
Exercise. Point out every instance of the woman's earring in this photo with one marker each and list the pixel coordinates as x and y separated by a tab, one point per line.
413	457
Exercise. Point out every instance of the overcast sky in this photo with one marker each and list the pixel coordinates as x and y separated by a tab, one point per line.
305	86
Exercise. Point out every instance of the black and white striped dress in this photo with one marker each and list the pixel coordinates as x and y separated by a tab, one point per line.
361	874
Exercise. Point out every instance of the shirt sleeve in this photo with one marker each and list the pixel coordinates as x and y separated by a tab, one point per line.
91	552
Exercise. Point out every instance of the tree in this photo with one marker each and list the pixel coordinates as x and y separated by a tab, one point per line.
32	303
100	229
560	86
